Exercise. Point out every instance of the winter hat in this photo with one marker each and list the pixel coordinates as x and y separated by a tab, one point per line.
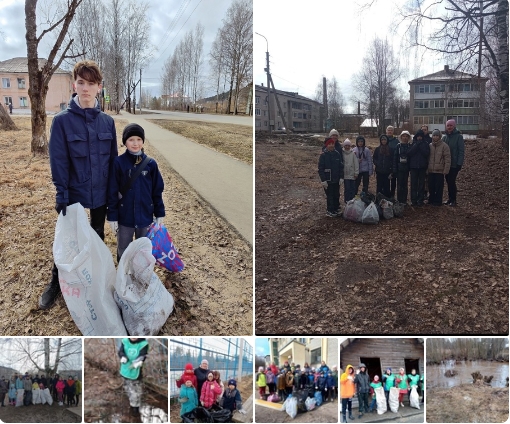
133	130
436	132
261	369
347	142
404	132
232	383
383	136
333	131
188	367
451	121
360	137
419	133
329	141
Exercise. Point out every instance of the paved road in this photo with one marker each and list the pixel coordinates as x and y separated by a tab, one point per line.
222	119
225	183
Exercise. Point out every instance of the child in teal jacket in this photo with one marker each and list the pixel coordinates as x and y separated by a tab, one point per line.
188	398
375	384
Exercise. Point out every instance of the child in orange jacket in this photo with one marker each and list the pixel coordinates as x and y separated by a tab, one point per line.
347	391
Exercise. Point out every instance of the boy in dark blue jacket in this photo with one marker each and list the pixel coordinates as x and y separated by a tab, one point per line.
132	212
418	154
82	147
331	172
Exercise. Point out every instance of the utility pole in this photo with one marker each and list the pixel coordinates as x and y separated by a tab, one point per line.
140	100
266	69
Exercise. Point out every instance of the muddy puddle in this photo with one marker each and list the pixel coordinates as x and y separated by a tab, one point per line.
436	378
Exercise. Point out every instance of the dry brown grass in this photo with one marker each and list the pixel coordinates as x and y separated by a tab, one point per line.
27	225
233	140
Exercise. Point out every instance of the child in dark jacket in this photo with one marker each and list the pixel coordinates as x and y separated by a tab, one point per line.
231	399
131	210
330	387
418	154
331	173
383	162
401	166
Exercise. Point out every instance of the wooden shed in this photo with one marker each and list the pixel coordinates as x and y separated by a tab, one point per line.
380	353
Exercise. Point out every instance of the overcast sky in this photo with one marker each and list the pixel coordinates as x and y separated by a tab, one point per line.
161	15
327	39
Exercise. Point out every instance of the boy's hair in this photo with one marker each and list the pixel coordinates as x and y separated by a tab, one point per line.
88	70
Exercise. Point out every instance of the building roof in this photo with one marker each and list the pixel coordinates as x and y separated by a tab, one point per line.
348	341
19	65
286	93
369	123
447	74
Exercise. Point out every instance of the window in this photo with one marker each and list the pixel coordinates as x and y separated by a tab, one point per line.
257	112
278	114
265	113
438	88
304	116
23	102
265	123
315	356
257	100
21	82
463	103
437	103
465	120
300	115
7	100
297	124
257	124
421	104
6	83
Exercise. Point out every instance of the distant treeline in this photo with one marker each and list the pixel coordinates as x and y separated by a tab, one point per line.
467	349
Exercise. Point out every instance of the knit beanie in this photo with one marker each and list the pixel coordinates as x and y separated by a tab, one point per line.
383	136
333	131
347	142
436	132
188	367
329	141
133	130
232	383
451	121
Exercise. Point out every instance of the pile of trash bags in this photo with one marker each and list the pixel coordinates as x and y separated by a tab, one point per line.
103	301
202	415
302	401
369	209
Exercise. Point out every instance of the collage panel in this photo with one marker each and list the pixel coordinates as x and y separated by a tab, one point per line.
41	380
125	380
382	379
211	379
467	380
296	380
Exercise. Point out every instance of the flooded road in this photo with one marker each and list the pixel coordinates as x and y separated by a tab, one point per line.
436	378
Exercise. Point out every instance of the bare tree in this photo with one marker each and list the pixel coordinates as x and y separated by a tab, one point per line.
375	82
335	100
218	64
40	71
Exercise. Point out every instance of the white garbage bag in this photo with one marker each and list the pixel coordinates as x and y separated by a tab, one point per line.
19	397
354	210
414	399
370	215
143	299
380	399
46	393
387	209
87	275
36	396
310	403
43	397
393	399
291	406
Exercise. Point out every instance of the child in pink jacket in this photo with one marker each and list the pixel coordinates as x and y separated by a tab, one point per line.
60	386
210	390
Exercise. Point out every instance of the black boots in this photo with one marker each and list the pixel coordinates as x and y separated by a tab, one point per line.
134	410
51	292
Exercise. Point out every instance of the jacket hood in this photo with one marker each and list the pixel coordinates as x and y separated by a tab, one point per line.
360	138
405	132
418	134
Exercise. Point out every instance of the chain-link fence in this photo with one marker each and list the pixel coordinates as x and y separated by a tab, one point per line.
232	357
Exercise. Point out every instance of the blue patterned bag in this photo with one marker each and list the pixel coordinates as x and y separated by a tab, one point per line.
163	249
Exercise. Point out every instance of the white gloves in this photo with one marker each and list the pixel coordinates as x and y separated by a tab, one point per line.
159	221
123	360
242	411
137	364
324	184
341	180
114	225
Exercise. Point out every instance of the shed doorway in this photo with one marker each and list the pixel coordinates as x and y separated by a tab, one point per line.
373	367
411	364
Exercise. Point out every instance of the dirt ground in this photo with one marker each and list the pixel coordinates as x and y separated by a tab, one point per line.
38	414
233	140
216	258
326	413
468	403
244	386
437	270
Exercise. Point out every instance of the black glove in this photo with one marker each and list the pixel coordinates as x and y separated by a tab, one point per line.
61	207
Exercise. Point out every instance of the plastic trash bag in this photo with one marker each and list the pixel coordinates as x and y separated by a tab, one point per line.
36	396
398	209
86	274
143	299
318	398
291	406
387	208
273	398
28	398
19	397
310	403
46	393
163	248
354	210
380	399
198	415
370	215
393	399
414	399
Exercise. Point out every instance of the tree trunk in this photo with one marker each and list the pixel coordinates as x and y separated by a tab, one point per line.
502	16
6	123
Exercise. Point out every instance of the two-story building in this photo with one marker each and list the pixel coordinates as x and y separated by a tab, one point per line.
304	349
14	85
445	95
301	114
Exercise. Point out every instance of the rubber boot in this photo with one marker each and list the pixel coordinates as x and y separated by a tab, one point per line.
344	420
51	292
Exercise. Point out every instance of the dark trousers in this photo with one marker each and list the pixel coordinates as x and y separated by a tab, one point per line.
402	183
77	397
97	219
418	185
436	184
393	185
365	177
333	196
271	387
349	190
363	402
346	406
451	179
383	184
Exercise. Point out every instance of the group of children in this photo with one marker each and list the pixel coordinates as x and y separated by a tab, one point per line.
210	393
282	382
424	158
358	382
